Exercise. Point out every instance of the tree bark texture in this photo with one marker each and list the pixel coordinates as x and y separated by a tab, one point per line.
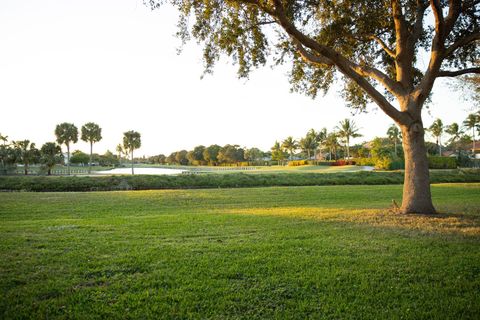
417	197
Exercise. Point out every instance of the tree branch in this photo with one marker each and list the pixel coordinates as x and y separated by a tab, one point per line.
454	11
439	21
344	65
422	5
405	48
310	57
462	42
456	73
385	47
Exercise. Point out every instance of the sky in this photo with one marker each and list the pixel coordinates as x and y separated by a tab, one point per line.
115	63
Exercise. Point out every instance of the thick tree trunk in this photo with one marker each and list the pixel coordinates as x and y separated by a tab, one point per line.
25	167
417	197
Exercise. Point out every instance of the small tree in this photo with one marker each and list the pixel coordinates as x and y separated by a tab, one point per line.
27	152
50	155
4	139
277	152
394	135
210	154
346	130
67	133
131	141
472	123
91	132
290	145
455	134
437	130
331	142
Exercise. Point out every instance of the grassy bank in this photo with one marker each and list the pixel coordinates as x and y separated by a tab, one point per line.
288	252
232	180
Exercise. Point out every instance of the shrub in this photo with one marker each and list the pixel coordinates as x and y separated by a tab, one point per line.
296	163
234	180
365	162
344	163
442	163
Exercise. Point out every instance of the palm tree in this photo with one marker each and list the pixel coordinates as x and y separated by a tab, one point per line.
394	135
291	145
471	123
120	151
347	130
4	139
66	133
455	133
131	141
50	154
437	129
28	153
277	152
91	132
331	142
320	137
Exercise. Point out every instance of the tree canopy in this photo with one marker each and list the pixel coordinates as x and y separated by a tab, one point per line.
373	47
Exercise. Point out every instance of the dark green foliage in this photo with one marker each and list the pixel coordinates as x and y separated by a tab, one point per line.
79	157
50	155
233	180
442	162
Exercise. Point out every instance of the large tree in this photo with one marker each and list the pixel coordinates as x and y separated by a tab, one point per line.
373	46
91	132
131	141
348	129
66	133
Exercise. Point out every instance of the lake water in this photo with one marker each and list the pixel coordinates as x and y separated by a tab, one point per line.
150	171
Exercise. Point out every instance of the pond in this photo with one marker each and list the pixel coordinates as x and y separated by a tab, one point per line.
149	171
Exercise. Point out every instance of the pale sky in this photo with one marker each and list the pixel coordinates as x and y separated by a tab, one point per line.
114	62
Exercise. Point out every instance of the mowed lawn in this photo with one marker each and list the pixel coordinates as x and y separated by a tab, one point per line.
335	252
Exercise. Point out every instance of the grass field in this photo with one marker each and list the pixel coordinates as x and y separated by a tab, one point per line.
281	252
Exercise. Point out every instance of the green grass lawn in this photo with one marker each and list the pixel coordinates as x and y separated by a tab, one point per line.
280	252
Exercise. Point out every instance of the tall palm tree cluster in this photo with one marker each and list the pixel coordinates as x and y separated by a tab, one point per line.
457	133
67	134
315	142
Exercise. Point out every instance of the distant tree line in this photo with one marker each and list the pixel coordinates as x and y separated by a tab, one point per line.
315	145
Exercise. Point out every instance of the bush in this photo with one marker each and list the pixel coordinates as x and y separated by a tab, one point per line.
296	163
442	163
234	180
365	162
344	163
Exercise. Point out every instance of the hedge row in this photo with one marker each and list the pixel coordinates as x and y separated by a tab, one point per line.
234	180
